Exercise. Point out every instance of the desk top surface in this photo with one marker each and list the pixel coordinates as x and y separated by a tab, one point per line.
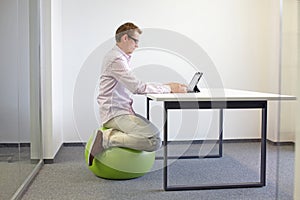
220	95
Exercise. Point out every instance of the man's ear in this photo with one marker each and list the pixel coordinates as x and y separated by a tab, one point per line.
124	38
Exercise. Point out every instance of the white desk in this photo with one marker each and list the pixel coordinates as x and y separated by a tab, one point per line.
217	99
221	95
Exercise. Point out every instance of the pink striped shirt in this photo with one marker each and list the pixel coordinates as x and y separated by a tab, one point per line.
117	84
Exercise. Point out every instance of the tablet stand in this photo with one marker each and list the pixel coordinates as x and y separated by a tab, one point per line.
196	89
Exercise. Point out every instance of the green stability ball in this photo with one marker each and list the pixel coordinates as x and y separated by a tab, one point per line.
120	163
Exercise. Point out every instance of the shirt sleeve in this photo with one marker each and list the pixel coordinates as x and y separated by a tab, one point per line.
121	72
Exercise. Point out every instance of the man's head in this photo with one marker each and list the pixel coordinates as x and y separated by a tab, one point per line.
127	37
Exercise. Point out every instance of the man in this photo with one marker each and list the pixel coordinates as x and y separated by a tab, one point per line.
125	127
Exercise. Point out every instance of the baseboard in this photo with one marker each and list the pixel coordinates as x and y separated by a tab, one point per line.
82	144
52	160
76	144
48	161
14	145
281	143
213	141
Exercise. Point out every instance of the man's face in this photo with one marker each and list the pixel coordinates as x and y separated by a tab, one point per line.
131	42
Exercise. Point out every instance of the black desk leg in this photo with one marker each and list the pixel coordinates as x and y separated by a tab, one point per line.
221	133
263	144
148	108
165	146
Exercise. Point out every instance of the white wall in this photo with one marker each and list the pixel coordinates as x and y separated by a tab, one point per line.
14	72
288	69
285	74
240	37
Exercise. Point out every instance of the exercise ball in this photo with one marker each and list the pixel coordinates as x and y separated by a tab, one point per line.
120	163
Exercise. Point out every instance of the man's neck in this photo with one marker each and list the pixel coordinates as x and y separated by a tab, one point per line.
127	55
122	48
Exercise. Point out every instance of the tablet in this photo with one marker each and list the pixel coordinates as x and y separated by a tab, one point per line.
192	87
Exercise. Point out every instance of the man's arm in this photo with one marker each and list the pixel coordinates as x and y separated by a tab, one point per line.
120	71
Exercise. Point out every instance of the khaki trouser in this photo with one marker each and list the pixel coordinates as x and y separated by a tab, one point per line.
131	131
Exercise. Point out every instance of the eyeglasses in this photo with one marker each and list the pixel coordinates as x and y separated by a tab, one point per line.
136	41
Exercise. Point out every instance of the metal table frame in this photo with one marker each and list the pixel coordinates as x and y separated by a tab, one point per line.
221	105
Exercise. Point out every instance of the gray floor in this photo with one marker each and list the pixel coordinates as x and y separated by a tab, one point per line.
69	178
15	166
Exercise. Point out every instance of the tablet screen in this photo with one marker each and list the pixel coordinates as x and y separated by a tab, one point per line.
194	81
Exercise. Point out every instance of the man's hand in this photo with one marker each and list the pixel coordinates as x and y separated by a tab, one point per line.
177	87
